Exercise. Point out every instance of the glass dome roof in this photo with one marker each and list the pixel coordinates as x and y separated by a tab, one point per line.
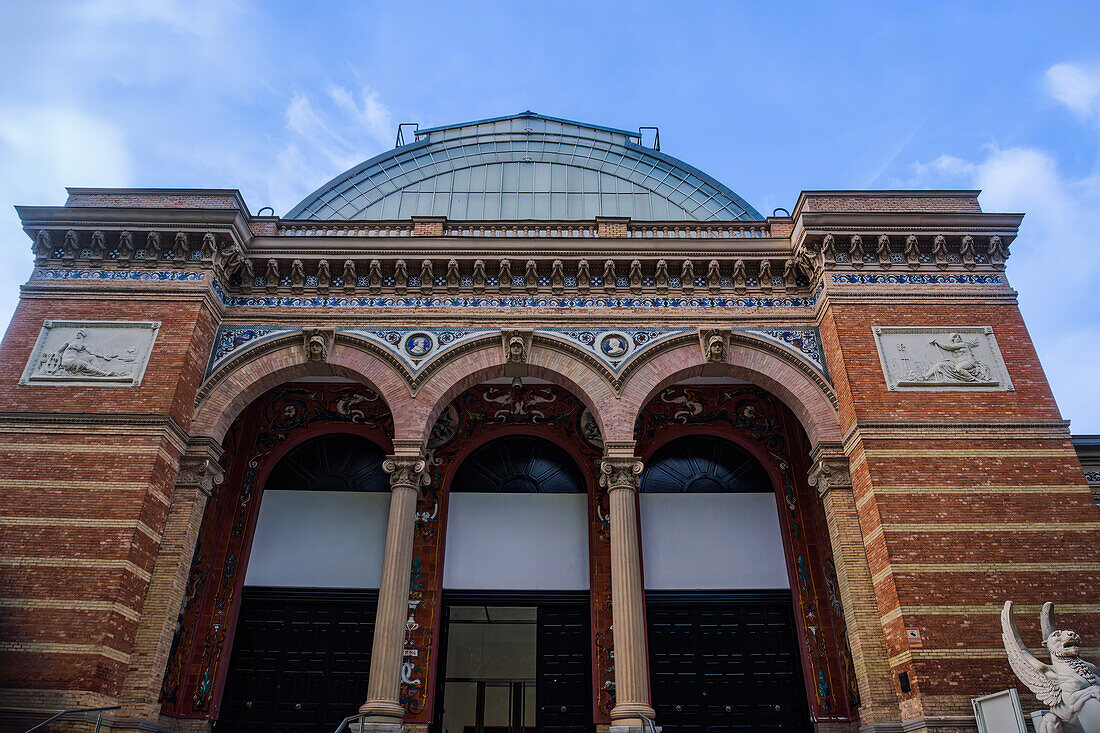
525	166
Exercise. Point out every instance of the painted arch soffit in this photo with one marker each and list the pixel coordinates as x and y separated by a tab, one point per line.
416	353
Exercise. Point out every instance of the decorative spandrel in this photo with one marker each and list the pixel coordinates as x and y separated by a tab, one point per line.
941	358
83	353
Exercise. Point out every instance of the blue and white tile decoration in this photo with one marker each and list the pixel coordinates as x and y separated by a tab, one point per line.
495	302
614	347
230	339
415	347
143	275
806	342
855	278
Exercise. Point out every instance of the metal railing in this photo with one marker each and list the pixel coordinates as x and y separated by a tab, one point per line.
346	721
62	713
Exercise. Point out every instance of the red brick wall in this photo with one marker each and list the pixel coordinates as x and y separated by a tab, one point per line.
957	517
84	494
902	204
155	200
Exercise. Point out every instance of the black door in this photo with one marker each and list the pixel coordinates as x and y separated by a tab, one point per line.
723	663
300	660
563	690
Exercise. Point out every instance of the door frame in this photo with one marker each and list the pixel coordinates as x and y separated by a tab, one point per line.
453	598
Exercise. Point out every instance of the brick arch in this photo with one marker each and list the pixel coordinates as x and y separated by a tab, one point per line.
470	368
282	361
811	400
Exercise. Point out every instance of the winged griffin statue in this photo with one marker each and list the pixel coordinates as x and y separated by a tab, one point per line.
1069	685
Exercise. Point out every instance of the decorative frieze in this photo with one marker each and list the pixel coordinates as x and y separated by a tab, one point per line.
84	353
941	358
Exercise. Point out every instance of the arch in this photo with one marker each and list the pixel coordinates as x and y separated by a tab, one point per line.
759	423
272	425
519	464
473	367
233	387
702	463
795	383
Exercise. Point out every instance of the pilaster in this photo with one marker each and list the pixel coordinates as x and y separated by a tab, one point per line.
831	476
199	475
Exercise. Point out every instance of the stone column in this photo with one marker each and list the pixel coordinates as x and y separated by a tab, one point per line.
408	472
831	476
199	473
619	473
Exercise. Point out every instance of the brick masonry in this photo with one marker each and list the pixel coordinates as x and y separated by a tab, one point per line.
958	500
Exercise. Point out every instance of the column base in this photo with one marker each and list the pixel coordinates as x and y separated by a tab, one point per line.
370	727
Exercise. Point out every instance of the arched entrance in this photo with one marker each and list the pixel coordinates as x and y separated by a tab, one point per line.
316	539
510	536
741	607
515	584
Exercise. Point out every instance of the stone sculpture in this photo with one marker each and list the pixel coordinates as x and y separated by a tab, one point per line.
1069	685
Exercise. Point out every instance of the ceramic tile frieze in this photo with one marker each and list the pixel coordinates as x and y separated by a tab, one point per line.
614	347
415	347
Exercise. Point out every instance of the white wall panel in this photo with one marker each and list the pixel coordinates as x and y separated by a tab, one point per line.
712	541
516	542
319	539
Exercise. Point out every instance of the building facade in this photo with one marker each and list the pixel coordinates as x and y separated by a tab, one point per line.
527	425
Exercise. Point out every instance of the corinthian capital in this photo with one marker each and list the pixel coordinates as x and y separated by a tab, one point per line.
201	473
620	472
406	471
830	472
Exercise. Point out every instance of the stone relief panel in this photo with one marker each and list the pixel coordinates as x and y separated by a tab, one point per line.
91	353
941	358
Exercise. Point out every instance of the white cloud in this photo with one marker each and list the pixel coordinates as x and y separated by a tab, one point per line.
42	150
325	135
1077	87
1052	265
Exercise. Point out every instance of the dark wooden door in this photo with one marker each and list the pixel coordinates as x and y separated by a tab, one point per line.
563	688
300	660
725	664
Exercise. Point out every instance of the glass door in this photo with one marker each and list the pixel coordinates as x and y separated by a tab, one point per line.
489	685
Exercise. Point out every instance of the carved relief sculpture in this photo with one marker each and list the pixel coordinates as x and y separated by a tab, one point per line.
318	343
351	278
1069	685
941	358
91	352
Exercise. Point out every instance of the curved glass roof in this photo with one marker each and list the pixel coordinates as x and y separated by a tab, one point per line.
526	166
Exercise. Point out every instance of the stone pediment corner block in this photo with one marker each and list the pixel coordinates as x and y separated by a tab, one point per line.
516	343
318	343
830	473
1068	686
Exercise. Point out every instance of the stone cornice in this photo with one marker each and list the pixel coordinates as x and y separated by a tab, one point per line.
114	423
955	429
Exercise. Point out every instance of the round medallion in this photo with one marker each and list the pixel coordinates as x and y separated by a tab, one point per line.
613	345
418	344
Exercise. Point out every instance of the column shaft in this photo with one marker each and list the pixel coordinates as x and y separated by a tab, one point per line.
383	703
620	476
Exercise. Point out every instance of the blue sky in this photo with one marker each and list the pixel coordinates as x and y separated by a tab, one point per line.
275	98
